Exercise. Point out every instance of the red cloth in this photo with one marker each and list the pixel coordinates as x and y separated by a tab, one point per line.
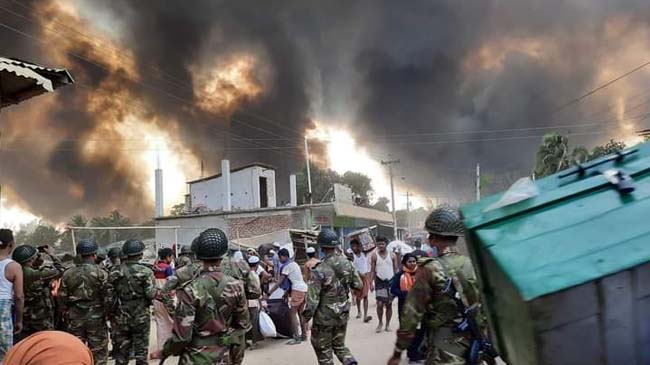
49	348
160	270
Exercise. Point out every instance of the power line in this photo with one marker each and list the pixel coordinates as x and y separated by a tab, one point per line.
107	70
601	87
153	88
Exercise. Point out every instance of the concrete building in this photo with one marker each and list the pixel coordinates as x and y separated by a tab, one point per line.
251	187
242	202
257	222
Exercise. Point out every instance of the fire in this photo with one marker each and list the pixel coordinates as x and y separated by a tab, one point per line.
343	153
223	85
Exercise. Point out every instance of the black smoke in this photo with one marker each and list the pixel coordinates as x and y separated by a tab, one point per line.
383	68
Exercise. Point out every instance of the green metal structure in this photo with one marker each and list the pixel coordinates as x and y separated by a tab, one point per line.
547	265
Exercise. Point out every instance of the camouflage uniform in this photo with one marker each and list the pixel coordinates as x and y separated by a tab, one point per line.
328	303
133	287
210	309
85	298
183	260
39	302
436	310
240	271
181	277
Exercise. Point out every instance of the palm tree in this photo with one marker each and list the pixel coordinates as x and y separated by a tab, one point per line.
552	155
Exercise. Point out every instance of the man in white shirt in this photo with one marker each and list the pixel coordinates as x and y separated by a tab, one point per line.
383	265
361	264
291	281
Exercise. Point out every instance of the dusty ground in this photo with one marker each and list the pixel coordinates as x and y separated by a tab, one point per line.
369	347
366	345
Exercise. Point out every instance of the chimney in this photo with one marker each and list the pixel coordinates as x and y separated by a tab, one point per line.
225	178
292	190
160	211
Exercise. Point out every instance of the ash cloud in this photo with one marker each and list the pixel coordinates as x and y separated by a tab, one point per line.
387	67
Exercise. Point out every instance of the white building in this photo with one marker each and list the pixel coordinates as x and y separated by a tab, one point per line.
251	187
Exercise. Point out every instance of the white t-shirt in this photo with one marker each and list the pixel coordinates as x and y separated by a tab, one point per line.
361	263
293	272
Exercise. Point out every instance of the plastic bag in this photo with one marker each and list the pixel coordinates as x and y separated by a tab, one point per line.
523	189
267	327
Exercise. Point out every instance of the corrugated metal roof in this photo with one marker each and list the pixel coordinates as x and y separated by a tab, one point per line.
22	80
355	211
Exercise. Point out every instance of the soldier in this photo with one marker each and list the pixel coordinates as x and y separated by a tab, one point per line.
85	299
239	270
328	301
185	257
113	257
181	276
133	287
427	301
37	285
210	307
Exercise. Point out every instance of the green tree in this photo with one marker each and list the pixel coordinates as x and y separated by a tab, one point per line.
108	236
322	182
178	209
66	238
552	155
45	234
610	147
37	233
382	204
360	185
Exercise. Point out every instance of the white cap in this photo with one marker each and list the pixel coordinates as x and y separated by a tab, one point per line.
276	244
311	250
253	260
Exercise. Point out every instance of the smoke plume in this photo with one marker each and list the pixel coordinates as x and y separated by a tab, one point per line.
203	80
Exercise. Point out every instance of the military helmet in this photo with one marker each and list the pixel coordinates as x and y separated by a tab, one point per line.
24	253
114	252
211	244
328	238
186	250
87	248
444	221
101	254
133	247
194	244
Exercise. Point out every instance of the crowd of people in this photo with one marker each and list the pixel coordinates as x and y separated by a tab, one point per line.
208	301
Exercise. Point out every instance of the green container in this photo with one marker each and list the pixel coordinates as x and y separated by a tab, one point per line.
566	274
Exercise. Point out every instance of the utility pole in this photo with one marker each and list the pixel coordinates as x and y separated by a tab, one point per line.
408	211
478	182
311	199
390	164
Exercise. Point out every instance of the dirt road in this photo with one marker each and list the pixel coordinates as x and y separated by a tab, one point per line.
366	345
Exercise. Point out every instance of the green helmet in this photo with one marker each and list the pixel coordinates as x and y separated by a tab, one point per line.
445	221
87	248
328	238
211	244
114	252
133	247
186	250
24	253
101	254
194	244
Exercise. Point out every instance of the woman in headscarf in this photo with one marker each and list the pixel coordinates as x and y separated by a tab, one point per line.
400	286
49	348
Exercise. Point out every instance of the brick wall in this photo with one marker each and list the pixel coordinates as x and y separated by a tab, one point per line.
250	227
